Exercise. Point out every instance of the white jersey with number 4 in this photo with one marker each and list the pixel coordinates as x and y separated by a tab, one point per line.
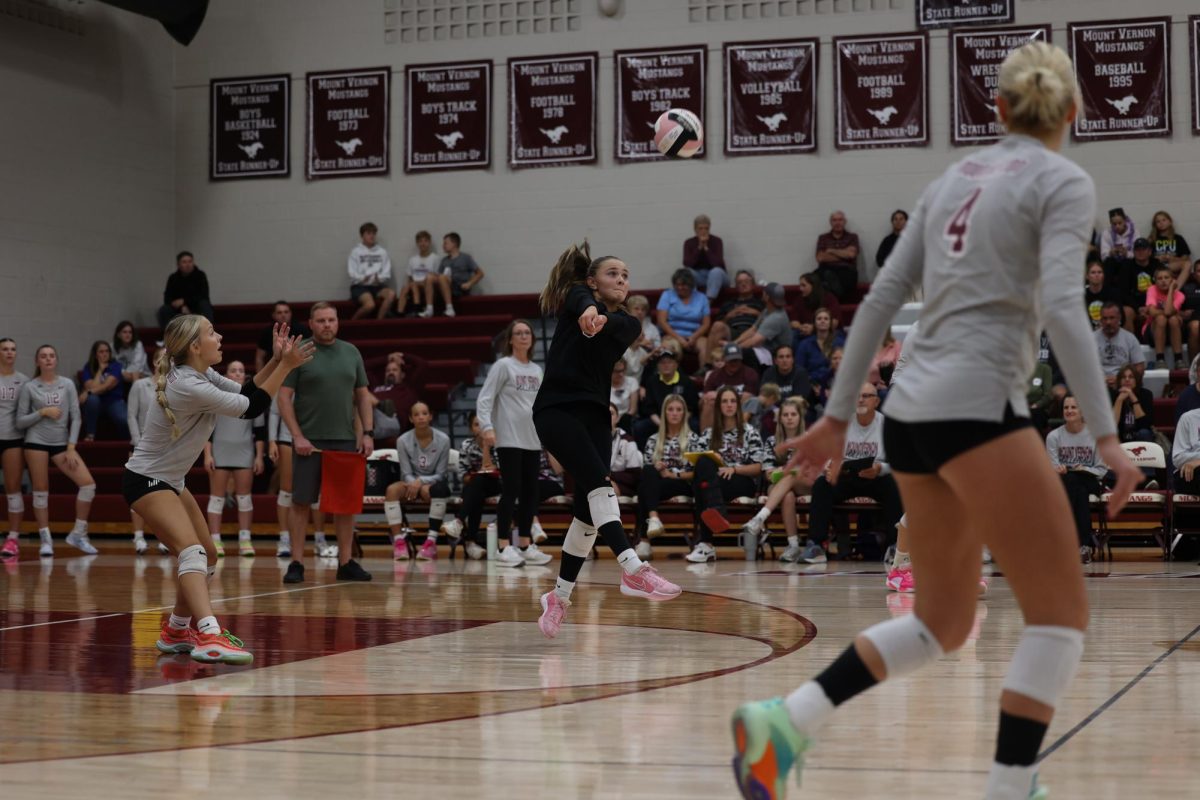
996	243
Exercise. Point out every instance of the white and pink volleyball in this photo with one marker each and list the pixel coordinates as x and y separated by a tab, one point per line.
678	133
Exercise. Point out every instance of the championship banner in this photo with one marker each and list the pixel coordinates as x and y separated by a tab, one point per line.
348	122
448	116
552	110
956	13
248	134
1124	75
975	59
1194	30
881	87
649	82
771	97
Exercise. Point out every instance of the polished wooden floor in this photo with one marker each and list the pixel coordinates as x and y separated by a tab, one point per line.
433	681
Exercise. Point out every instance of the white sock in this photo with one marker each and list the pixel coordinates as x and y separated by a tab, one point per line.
902	560
208	625
563	589
432	537
14	534
44	533
285	535
1010	782
794	541
139	534
179	623
243	534
80	526
763	514
629	561
319	537
216	537
809	707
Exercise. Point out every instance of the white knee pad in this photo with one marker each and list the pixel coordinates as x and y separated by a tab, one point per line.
284	500
193	559
1045	663
580	538
216	505
16	504
437	508
245	502
87	493
904	644
41	499
393	512
603	504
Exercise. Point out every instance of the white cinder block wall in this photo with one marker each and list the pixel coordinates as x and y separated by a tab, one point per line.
87	193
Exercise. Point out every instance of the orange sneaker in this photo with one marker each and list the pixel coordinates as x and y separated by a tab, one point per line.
221	648
173	641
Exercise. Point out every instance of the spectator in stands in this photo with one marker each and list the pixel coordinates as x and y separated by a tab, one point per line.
422	279
186	292
1058	382
1117	346
683	313
1169	247
460	273
1097	292
370	270
813	353
760	411
704	255
403	384
424	455
1072	451
235	452
741	312
769	332
129	352
812	299
1141	274
731	372
1162	313
1185	453
792	381
884	362
623	394
640	352
103	392
320	402
625	461
1040	395
665	472
837	257
790	425
1133	407
899	220
281	314
480	473
1191	310
664	382
1189	398
864	473
1116	242
733	474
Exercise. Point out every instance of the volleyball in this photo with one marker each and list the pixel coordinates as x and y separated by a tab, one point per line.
678	133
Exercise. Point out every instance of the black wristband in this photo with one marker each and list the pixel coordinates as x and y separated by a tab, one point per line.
369	434
260	401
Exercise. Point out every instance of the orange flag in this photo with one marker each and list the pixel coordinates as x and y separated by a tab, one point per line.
343	478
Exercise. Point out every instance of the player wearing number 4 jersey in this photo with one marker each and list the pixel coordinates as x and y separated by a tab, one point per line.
997	244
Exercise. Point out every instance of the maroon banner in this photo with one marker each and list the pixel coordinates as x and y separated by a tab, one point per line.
552	110
956	13
1194	30
771	97
348	114
975	59
650	82
1124	75
448	116
881	87
248	133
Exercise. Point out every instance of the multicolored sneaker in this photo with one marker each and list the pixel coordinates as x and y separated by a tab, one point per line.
554	610
428	551
768	746
400	549
139	545
901	580
220	548
172	641
245	545
223	648
11	549
647	583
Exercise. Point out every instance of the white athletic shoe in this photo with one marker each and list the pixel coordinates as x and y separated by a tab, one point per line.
319	541
510	557
452	529
537	534
533	555
47	548
792	554
475	552
702	553
643	550
139	545
654	528
283	548
328	550
987	555
428	312
80	541
162	548
753	526
449	311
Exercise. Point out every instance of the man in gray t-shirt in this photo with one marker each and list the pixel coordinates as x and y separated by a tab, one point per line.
770	331
1116	345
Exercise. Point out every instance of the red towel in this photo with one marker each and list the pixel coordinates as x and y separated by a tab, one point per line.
343	478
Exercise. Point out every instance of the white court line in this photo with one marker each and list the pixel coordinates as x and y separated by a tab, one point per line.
163	608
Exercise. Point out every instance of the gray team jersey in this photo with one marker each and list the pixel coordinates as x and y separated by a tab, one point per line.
233	443
429	464
196	400
141	397
36	395
277	431
996	243
10	390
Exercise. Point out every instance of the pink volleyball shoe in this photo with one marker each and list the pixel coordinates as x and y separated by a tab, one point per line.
554	610
647	583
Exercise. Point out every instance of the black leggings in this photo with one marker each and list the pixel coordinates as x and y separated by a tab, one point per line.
654	487
712	491
547	489
518	482
825	496
475	493
1079	485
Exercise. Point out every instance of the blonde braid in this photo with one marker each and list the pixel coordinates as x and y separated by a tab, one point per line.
180	333
162	366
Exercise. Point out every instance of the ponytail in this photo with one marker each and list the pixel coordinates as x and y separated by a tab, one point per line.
162	366
1038	83
573	267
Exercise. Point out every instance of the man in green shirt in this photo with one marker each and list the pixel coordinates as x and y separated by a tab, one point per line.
318	403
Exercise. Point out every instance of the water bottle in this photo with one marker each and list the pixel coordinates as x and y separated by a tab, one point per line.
493	551
750	545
